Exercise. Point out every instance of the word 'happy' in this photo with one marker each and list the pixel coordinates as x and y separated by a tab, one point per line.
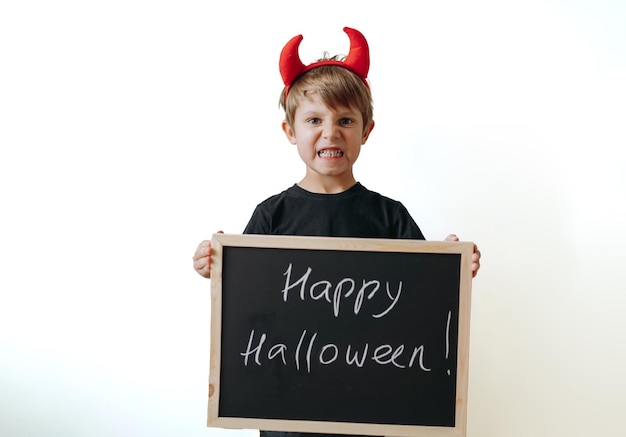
345	288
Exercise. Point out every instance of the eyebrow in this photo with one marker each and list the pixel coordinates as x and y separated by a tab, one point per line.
348	112
340	114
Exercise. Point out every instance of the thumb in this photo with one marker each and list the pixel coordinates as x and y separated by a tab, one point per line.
451	237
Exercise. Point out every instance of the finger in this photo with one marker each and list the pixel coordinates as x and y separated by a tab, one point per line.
451	237
201	262
203	249
476	255
475	261
202	266
475	267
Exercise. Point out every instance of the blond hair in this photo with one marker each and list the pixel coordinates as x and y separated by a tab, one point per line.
337	86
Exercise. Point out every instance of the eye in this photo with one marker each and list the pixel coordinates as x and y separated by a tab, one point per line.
346	121
313	120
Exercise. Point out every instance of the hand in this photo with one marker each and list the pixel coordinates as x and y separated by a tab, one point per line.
202	258
475	255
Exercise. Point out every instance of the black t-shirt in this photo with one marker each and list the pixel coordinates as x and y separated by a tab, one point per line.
356	212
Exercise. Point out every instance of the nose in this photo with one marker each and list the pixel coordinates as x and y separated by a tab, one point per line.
330	131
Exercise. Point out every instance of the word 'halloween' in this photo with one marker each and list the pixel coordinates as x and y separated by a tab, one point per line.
310	351
345	288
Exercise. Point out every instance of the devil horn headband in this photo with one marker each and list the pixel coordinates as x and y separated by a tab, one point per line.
357	61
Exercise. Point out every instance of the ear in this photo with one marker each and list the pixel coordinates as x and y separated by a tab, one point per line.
289	132
367	133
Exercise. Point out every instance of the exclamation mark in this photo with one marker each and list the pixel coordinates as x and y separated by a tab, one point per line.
448	337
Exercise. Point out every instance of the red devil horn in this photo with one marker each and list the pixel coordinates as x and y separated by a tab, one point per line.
358	60
290	64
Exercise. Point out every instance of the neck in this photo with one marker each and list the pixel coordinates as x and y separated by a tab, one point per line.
326	185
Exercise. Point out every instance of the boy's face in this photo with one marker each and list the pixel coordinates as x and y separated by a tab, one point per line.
329	141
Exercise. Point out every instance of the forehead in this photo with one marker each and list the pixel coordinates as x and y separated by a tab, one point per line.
313	103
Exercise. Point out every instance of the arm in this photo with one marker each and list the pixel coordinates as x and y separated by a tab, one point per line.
475	255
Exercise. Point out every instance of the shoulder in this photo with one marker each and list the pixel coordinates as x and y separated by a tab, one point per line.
376	196
278	198
264	212
393	215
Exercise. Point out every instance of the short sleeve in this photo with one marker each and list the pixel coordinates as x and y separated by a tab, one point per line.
259	223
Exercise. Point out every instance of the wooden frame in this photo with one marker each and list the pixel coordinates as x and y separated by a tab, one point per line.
222	241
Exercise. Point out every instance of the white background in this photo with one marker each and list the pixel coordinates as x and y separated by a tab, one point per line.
131	130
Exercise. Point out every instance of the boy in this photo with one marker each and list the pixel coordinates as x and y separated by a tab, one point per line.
328	117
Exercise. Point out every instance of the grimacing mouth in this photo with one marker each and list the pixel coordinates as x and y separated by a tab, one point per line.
330	153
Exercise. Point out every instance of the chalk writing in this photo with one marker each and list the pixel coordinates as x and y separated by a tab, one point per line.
345	288
308	351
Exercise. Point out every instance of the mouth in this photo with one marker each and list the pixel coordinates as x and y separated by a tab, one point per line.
330	153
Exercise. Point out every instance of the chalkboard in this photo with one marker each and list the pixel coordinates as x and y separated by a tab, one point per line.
339	335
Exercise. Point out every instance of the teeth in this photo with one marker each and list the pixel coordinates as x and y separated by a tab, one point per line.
330	153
